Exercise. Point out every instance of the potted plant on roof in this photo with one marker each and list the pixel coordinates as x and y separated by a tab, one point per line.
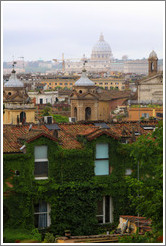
67	233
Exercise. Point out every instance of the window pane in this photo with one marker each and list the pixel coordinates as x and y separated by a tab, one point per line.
41	169
42	206
100	219
40	152
40	220
101	167
101	151
100	207
41	217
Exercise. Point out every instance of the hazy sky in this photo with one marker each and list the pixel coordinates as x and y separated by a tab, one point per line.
46	29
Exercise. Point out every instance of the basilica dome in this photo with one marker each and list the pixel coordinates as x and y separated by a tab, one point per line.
84	80
14	81
101	50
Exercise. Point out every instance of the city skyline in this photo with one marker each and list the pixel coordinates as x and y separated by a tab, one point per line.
52	28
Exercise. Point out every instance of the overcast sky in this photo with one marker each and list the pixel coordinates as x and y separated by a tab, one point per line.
46	29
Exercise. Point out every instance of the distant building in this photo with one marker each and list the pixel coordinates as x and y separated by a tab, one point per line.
136	66
100	60
150	89
89	102
106	83
17	105
44	97
135	114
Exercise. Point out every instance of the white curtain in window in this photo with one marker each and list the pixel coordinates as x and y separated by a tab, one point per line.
41	152
101	150
42	223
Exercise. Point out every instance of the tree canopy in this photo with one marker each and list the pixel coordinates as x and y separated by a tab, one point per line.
146	183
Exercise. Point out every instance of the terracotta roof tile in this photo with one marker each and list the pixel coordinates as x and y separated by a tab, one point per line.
68	133
12	134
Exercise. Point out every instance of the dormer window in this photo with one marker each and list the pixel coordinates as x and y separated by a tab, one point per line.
41	162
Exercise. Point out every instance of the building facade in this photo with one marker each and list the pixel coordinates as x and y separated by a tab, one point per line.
106	83
44	97
150	89
18	107
100	60
57	177
89	102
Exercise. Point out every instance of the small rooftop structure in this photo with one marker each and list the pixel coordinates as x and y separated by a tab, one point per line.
53	127
84	80
13	81
102	125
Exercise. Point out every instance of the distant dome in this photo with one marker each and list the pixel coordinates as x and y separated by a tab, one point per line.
153	54
84	80
13	81
102	50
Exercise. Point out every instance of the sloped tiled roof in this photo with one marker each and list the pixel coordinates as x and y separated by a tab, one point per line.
113	94
68	133
12	134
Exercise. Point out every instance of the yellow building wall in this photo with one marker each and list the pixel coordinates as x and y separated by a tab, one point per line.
10	116
105	83
103	111
136	113
52	84
110	83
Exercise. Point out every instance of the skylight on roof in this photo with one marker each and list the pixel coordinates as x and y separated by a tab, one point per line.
53	127
103	125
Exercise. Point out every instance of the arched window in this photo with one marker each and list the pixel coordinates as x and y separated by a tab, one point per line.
22	117
88	113
152	66
75	112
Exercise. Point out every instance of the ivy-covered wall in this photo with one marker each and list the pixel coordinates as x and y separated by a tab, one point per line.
72	189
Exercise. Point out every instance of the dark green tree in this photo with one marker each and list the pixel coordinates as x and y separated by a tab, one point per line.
146	183
46	111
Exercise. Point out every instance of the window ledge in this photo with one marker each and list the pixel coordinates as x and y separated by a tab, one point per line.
38	178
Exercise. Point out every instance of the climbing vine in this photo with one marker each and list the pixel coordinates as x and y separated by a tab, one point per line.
72	189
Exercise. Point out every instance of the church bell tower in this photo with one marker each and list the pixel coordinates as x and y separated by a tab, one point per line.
153	63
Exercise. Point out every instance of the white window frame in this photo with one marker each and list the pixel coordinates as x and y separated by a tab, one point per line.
48	215
110	211
145	115
100	159
41	160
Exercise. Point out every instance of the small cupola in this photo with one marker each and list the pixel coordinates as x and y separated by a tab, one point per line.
13	80
84	80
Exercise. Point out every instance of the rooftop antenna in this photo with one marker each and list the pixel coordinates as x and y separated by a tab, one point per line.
84	62
30	127
22	57
14	62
